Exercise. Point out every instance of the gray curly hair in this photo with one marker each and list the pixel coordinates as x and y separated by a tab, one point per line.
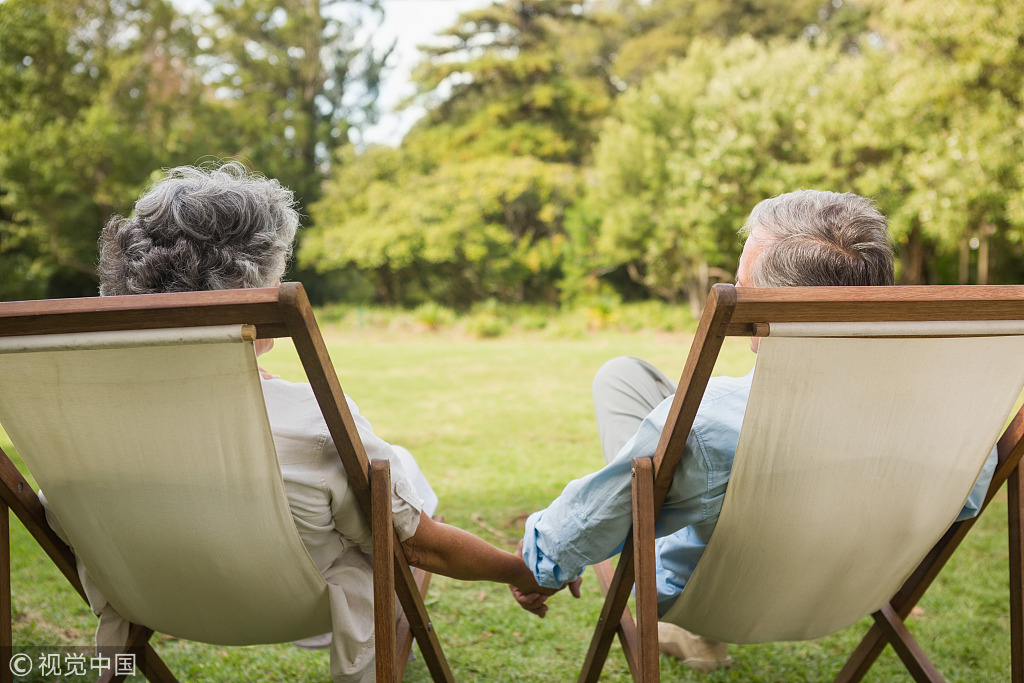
814	238
200	229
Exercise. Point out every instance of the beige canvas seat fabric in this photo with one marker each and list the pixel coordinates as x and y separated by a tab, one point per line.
855	456
147	443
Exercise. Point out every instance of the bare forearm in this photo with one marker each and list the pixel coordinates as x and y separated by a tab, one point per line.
454	552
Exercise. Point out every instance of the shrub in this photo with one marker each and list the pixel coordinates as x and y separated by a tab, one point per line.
433	316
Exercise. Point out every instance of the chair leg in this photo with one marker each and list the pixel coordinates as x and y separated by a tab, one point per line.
394	640
627	627
645	579
150	664
908	649
403	631
17	496
154	668
383	532
615	605
6	608
868	650
419	621
1015	507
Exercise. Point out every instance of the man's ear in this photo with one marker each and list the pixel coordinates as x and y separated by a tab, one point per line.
263	345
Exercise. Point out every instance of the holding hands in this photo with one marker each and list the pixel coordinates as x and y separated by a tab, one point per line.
533	598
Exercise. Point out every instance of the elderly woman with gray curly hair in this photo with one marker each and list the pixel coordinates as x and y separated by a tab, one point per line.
225	228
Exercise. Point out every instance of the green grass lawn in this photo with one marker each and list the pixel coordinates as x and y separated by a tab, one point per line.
499	426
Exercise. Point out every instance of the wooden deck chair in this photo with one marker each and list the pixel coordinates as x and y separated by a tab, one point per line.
113	403
871	414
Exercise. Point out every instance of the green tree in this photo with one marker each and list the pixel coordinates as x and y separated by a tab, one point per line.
535	79
487	228
520	78
943	142
93	97
691	150
472	205
96	96
292	77
655	32
924	116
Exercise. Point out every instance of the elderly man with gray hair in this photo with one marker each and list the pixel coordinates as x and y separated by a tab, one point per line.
804	238
224	228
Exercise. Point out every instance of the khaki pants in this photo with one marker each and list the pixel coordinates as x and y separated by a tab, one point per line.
626	390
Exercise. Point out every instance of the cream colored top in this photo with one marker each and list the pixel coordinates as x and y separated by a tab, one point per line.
328	517
325	511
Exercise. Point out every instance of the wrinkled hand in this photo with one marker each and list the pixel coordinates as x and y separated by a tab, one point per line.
532	602
535	599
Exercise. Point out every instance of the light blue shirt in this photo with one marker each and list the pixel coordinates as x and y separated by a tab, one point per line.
589	521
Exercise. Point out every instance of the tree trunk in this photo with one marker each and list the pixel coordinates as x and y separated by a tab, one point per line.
965	262
985	235
983	261
913	260
697	289
385	285
696	302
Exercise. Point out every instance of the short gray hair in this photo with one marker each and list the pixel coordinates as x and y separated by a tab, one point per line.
200	229
814	238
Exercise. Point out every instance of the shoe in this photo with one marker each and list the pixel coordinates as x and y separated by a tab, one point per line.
320	642
697	652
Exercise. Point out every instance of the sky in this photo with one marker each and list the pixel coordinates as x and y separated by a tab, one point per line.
411	22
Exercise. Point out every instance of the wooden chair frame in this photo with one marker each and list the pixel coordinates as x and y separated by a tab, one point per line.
275	312
750	312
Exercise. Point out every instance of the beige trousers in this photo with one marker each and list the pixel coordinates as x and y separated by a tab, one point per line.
626	390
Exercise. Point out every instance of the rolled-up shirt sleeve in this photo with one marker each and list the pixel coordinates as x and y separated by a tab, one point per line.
406	500
589	521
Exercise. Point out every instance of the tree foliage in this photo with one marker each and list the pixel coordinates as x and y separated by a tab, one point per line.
944	137
97	96
293	75
521	78
692	149
655	33
567	147
88	108
487	228
923	115
472	206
